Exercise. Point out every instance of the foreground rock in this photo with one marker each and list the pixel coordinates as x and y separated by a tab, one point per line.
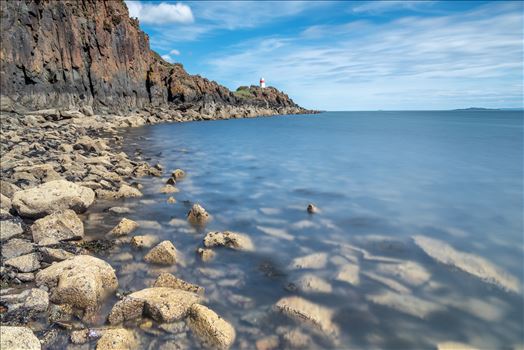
472	264
60	226
228	239
168	280
27	303
18	338
52	196
162	304
305	311
83	281
124	227
164	253
118	338
198	215
211	329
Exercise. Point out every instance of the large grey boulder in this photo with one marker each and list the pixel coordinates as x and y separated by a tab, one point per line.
60	226
19	338
52	196
82	281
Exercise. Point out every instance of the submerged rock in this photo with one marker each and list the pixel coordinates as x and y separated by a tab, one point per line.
117	338
228	239
198	215
82	281
52	196
144	241
60	226
310	283
211	329
163	304
349	273
163	253
305	311
19	338
405	303
124	227
206	254
169	189
472	264
168	280
410	272
311	261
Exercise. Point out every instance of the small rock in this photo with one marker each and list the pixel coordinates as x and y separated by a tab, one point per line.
168	280
228	239
212	330
10	228
169	189
198	215
52	196
29	302
8	189
310	283
5	203
25	263
311	261
118	338
60	226
311	208
178	174
124	227
267	343
53	254
349	273
295	338
19	338
16	247
171	200
164	253
206	254
126	191
25	276
80	336
144	241
119	210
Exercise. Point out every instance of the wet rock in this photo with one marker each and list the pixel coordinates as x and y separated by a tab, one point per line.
54	254
25	263
349	273
296	338
212	330
144	241
310	283
228	239
405	303
307	312
178	174
390	283
123	228
160	303
30	302
267	343
119	210
198	215
60	226
164	253
82	281
169	189
168	280
206	254
118	338
52	196
311	208
311	261
470	263
127	191
171	200
10	228
19	338
409	272
16	247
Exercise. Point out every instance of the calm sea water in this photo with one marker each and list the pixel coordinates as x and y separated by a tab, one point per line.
379	178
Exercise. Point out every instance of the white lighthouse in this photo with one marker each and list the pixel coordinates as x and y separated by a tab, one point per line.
262	83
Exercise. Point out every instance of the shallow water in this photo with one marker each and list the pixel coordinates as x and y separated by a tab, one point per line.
379	178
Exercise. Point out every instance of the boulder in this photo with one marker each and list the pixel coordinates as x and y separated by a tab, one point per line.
52	196
25	263
144	241
198	215
163	253
82	281
10	228
63	225
124	227
307	312
228	239
16	247
211	329
168	280
19	338
160	303
116	339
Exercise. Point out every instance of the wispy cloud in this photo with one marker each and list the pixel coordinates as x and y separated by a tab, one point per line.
169	57
379	7
431	61
160	14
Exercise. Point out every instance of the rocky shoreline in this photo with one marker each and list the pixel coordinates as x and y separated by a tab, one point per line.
55	165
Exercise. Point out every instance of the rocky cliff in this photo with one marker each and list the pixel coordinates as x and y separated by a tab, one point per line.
74	53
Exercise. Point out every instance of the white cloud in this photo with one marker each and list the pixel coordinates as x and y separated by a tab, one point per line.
160	14
378	7
168	58
450	61
174	52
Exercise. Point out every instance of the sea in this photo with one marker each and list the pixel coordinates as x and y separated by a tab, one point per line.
379	181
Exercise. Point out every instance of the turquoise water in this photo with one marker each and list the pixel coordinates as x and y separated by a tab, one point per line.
379	178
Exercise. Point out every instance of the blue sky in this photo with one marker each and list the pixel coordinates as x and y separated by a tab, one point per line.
350	55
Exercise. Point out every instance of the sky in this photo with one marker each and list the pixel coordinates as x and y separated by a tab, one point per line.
331	55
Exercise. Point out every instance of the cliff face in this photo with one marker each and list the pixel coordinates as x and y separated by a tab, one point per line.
73	53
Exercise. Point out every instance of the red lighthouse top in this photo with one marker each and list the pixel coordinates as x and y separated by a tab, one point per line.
262	80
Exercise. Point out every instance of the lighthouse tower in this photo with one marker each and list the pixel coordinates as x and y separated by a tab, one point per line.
262	83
